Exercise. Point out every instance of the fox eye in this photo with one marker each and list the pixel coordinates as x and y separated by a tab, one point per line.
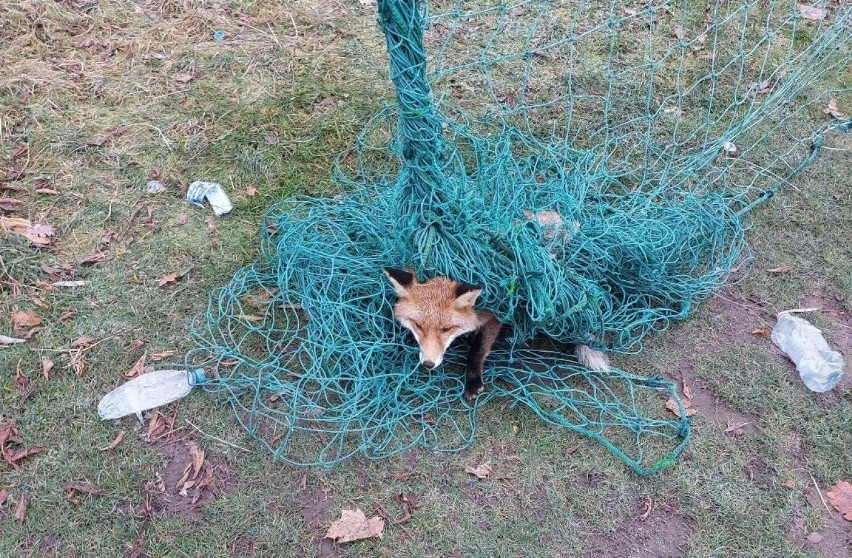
415	325
448	329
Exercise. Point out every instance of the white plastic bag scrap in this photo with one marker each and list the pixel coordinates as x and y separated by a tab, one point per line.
214	193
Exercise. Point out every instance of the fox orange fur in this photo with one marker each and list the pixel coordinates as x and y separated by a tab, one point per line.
440	310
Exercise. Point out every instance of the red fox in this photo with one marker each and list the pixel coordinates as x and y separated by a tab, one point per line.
440	310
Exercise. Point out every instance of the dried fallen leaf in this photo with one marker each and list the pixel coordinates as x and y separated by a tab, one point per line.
9	204
251	191
168	279
761	331
90	259
832	109
112	445
183	78
38	302
157	357
840	496
649	505
736	427
4	495
481	471
181	219
181	487
137	367
354	525
211	225
21	509
671	405
46	367
813	13
680	32
13	456
39	234
82	342
197	458
25	319
780	270
21	382
84	487
687	391
788	484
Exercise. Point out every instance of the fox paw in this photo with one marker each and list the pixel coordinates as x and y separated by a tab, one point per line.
472	388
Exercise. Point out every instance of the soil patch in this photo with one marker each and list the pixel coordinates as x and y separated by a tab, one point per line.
244	548
662	534
730	421
187	484
834	539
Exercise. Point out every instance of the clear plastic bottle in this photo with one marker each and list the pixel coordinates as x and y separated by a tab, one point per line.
819	366
147	391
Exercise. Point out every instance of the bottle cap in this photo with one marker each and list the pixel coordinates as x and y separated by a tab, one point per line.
196	377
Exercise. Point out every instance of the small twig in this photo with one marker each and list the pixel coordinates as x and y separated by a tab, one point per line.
203	433
818	491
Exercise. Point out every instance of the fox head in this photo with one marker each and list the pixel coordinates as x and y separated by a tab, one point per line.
436	312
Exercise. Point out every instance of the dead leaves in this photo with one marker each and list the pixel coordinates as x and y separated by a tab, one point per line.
22	382
11	446
780	270
813	13
25	319
840	496
168	279
251	191
38	234
354	525
191	474
46	367
672	406
82	487
21	509
761	332
9	204
137	367
832	109
112	445
481	471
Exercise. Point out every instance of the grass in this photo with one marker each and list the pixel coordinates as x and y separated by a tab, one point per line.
104	94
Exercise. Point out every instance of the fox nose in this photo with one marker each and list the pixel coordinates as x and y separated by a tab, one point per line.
429	364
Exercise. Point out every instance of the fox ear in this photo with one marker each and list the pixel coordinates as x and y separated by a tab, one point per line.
466	295
400	280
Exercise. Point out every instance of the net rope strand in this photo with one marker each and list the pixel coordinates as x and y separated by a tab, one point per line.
592	167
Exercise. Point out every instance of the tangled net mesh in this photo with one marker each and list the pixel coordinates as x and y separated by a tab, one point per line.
589	165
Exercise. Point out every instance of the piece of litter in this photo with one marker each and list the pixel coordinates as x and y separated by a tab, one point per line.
71	284
214	193
155	187
6	340
730	148
219	35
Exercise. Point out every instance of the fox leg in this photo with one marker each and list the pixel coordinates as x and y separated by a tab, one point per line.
479	349
591	359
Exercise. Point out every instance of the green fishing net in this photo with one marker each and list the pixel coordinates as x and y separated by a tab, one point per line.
589	164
